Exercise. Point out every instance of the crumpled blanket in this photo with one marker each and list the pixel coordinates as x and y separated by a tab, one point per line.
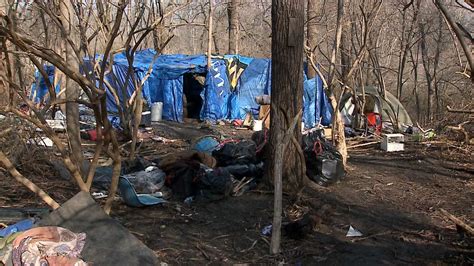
48	246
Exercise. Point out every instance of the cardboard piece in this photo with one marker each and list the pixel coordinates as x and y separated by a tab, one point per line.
264	114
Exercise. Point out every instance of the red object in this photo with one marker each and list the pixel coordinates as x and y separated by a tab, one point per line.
238	122
92	134
318	148
374	120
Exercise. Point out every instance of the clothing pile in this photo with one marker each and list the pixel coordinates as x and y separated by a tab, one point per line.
43	246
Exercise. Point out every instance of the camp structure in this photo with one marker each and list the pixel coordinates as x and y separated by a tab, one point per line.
188	90
388	106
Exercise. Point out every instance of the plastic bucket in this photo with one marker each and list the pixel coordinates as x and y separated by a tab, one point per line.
156	111
257	125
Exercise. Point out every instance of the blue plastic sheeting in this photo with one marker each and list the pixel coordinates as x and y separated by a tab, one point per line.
254	81
216	93
316	107
38	94
164	83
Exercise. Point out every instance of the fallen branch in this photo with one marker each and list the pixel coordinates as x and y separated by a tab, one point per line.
451	110
363	144
458	221
25	181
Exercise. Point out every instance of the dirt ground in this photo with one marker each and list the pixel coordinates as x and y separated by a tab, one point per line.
392	198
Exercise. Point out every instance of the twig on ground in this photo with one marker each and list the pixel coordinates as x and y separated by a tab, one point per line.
203	252
458	221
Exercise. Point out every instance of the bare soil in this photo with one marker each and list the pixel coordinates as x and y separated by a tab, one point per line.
392	198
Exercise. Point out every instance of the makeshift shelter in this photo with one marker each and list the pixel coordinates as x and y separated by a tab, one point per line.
389	107
227	91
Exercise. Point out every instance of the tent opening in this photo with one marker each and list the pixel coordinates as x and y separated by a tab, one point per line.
193	85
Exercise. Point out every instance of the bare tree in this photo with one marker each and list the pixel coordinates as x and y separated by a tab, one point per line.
233	14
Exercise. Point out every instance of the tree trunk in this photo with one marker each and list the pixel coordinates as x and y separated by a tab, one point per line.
287	103
337	122
287	83
345	57
311	31
72	90
209	36
233	14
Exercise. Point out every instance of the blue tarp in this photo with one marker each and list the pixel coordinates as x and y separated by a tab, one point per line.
39	90
229	91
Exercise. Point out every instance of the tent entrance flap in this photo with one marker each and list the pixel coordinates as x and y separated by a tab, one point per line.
193	85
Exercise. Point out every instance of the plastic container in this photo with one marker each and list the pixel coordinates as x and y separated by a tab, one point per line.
156	111
257	125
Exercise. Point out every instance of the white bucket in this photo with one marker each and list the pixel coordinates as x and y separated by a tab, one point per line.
156	111
257	125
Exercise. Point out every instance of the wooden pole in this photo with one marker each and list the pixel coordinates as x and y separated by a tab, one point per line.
458	222
278	195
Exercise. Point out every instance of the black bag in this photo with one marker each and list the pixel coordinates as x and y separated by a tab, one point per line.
242	152
215	184
323	162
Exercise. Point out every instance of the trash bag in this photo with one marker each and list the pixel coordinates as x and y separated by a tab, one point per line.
148	181
215	184
231	153
240	171
323	162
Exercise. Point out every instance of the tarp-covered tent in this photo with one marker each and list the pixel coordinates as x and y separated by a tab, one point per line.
228	93
389	107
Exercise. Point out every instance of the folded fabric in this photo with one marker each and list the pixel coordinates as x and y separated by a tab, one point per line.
48	245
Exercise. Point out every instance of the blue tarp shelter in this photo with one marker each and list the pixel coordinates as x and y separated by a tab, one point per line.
228	93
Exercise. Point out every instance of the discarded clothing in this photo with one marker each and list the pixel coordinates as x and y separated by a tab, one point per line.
103	175
49	245
182	177
200	157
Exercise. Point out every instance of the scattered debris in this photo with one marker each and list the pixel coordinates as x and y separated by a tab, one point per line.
352	232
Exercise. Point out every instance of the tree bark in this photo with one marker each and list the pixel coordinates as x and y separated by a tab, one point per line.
311	32
209	36
72	90
233	14
337	123
287	83
457	31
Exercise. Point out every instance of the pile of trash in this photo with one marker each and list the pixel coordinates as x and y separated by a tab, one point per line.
212	169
